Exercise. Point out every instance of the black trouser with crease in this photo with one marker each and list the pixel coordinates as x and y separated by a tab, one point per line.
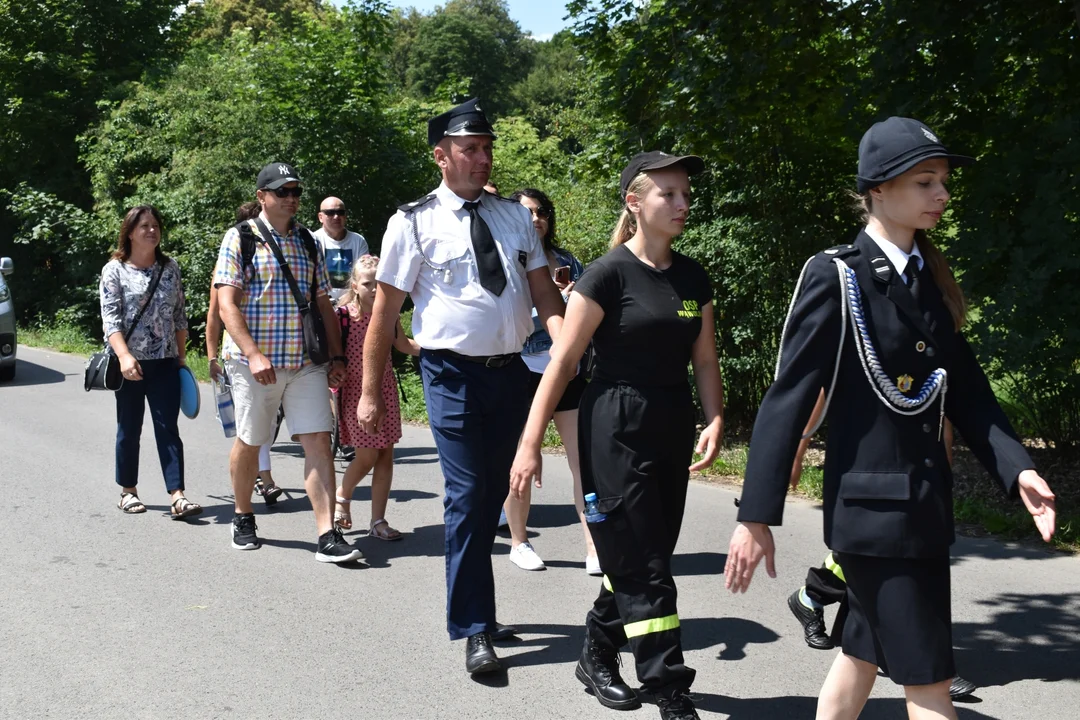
636	446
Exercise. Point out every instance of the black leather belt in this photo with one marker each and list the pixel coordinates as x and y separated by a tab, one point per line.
491	361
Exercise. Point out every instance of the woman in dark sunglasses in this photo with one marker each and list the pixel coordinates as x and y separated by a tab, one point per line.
565	269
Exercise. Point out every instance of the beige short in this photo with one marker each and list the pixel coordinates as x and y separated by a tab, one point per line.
304	393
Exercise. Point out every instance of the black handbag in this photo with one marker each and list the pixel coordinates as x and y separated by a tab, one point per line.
103	368
316	344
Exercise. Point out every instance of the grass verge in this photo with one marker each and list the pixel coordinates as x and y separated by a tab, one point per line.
64	338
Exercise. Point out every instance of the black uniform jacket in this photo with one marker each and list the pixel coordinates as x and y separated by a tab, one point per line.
888	487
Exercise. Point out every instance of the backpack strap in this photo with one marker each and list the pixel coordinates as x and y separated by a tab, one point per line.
247	245
309	244
346	322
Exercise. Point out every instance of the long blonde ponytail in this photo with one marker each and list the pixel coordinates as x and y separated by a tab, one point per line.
943	277
627	223
935	260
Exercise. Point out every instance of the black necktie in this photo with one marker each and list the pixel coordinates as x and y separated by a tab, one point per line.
911	272
492	277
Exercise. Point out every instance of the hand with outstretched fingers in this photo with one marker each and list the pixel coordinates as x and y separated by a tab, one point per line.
749	544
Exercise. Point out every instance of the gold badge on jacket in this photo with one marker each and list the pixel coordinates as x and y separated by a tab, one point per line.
903	383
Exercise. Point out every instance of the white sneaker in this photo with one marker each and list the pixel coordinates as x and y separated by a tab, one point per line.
592	565
525	557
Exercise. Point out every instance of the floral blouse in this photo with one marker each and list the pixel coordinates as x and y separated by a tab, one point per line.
123	291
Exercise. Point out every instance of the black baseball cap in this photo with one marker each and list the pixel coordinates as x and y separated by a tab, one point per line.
468	118
656	160
892	147
275	175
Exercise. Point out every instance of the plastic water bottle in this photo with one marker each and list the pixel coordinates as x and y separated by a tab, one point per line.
592	510
226	414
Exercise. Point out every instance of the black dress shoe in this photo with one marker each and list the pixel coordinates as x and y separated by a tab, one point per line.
677	706
480	657
598	669
960	688
813	623
501	632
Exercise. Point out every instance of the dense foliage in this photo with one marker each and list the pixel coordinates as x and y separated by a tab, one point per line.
146	102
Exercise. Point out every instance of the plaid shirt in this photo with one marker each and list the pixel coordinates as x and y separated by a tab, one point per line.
268	305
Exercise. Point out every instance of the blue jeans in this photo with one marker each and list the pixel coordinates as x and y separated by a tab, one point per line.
160	387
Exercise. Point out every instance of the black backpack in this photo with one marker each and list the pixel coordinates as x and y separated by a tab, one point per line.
248	242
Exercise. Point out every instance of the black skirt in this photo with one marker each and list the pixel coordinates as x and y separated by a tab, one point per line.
900	616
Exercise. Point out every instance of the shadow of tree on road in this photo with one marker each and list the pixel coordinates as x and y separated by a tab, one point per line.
1030	637
989	548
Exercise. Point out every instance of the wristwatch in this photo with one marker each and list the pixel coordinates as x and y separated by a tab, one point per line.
343	358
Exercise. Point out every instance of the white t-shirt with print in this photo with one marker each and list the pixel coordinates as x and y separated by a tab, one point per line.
340	256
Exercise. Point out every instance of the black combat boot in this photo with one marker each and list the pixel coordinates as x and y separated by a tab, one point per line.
598	668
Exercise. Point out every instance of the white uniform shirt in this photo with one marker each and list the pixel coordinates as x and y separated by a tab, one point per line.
340	257
453	312
897	256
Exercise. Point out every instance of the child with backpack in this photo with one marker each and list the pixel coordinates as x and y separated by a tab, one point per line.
374	453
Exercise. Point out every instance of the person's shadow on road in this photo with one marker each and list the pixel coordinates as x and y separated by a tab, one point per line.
557	644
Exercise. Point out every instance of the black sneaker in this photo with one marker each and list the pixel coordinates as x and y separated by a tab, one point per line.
243	532
334	549
677	706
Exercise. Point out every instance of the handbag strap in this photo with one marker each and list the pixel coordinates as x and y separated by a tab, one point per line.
159	271
268	238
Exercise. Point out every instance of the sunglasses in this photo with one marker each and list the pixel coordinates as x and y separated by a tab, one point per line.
335	213
542	212
284	192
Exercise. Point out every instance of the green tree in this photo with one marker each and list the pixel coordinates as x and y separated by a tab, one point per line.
554	83
59	59
192	143
468	48
217	19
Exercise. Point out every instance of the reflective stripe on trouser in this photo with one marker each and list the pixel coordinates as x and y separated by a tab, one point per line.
834	567
635	450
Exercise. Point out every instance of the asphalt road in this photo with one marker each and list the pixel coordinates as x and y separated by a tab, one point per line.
104	615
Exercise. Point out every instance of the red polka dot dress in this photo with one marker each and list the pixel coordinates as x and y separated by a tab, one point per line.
390	428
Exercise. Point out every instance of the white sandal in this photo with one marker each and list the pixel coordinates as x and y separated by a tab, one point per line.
343	518
388	533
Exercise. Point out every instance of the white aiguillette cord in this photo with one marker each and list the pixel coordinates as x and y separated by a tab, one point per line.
851	306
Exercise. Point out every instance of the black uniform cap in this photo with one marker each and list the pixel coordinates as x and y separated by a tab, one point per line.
656	160
892	147
465	119
275	175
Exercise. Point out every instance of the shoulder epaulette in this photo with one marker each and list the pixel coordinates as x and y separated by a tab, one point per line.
839	251
504	199
410	206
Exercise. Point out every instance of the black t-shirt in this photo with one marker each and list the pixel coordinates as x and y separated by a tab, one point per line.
651	317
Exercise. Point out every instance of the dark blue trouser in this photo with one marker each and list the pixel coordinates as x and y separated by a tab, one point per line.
476	415
160	387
